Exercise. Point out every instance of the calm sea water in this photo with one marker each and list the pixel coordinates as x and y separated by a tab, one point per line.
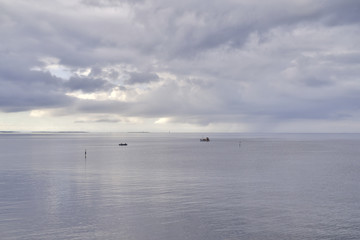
172	186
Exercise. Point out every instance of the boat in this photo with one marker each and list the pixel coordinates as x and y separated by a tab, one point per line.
207	139
122	144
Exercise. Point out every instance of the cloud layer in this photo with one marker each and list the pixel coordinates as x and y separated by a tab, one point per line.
216	65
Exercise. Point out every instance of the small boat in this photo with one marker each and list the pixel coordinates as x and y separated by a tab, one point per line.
122	144
205	139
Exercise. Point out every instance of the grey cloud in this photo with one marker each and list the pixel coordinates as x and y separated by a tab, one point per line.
349	58
341	12
316	82
231	60
105	120
109	3
16	98
138	77
105	106
22	89
101	120
87	85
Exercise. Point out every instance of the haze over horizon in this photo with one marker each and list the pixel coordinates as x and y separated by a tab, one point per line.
180	66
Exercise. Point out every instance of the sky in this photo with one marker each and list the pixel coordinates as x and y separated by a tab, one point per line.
180	66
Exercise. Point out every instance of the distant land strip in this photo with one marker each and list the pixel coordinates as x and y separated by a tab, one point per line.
138	132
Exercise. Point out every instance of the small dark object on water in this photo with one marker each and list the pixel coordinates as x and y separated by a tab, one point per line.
122	144
207	139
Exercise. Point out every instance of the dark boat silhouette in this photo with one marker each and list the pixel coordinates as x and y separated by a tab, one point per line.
205	139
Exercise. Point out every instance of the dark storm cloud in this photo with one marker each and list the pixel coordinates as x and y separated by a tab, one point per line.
195	61
22	89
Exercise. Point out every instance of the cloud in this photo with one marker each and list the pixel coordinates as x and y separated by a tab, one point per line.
87	85
136	77
203	63
100	120
22	89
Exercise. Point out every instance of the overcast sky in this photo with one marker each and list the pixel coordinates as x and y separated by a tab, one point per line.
180	66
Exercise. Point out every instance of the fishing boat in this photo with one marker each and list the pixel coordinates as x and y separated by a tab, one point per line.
122	144
207	139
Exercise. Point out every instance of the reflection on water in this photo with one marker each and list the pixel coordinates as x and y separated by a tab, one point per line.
172	186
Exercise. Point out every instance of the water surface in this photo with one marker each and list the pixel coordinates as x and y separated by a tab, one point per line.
172	186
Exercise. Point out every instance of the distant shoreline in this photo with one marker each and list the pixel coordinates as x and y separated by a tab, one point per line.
138	132
39	132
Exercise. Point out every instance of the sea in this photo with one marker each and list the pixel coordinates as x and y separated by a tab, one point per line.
172	186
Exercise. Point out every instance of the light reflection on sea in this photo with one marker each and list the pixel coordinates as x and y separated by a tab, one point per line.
172	186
